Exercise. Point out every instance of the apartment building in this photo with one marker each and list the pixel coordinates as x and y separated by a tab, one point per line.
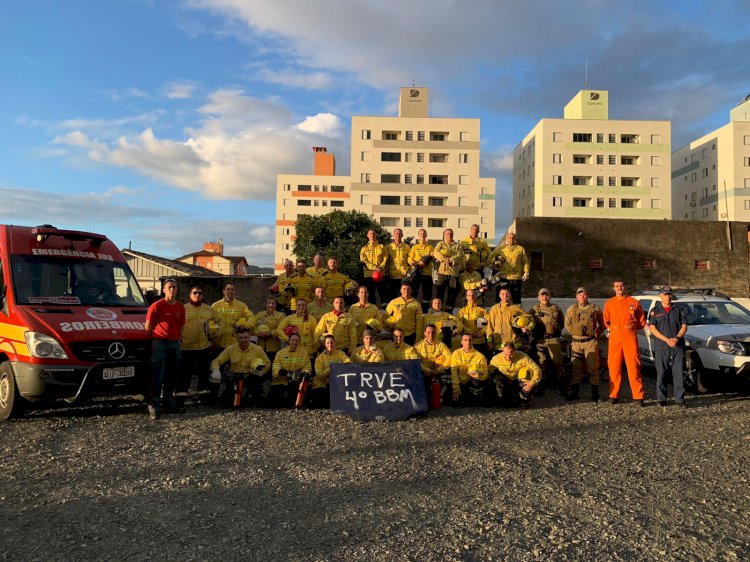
711	177
587	165
410	171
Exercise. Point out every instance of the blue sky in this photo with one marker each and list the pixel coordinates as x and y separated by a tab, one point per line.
164	123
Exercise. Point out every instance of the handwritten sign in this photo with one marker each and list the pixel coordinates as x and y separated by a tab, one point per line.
378	391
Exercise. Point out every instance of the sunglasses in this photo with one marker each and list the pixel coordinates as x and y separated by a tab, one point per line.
196	293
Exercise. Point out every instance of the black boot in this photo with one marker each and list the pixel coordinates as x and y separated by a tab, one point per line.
595	393
573	393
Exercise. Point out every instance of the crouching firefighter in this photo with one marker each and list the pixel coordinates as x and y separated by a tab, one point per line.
248	365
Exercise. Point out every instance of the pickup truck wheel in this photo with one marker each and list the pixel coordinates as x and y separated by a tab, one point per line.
10	401
696	373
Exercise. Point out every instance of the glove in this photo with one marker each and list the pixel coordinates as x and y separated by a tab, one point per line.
215	376
525	277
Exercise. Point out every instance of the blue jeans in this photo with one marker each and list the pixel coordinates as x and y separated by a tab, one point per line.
670	359
165	360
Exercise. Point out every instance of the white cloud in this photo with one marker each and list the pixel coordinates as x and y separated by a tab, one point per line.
261	233
180	90
315	80
498	161
322	124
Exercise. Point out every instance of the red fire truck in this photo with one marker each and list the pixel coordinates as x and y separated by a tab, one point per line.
71	319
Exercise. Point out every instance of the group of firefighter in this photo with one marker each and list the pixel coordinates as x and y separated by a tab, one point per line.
315	316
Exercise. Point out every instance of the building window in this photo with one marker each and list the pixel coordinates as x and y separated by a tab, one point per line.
390	200
580	202
364	199
600	202
388	221
463	180
556	180
407	178
557	136
407	200
628	160
438	136
287	187
463	201
600	137
612	181
612	159
439	158
420	135
580	159
420	201
705	192
747	161
747	204
655	139
304	203
600	158
557	158
420	156
464	136
705	172
366	134
420	178
628	203
409	135
612	138
581	137
407	222
337	203
364	178
390	157
304	188
442	180
463	158
629	139
629	182
390	178
390	135
419	223
436	201
705	212
407	156
703	265
581	180
463	223
656	203
600	180
557	201
747	183
436	223
612	203
746	139
655	182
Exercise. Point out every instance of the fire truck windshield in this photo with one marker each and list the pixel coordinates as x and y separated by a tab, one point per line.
71	281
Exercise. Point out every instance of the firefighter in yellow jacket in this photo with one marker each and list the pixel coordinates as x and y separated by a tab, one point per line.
201	322
335	282
406	313
398	262
470	321
517	375
476	249
499	321
288	366
512	263
232	311
362	311
449	261
304	284
398	350
435	357
368	352
374	257
246	360
303	323
320	394
340	325
283	297
421	252
468	375
447	325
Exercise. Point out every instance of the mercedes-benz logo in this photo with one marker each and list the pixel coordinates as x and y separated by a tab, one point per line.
116	350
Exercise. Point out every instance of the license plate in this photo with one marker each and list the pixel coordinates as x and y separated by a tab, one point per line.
118	373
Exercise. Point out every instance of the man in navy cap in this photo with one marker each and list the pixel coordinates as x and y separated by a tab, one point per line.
668	326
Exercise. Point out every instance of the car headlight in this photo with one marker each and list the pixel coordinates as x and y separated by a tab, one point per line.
731	347
44	346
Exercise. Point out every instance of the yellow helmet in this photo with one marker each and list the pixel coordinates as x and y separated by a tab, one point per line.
524	373
212	326
473	369
374	324
481	322
257	363
520	322
262	330
442	360
350	288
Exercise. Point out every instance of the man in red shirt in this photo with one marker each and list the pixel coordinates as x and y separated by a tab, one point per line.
164	322
623	317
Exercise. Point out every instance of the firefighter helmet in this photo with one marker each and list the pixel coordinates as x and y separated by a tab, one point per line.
374	324
524	373
275	289
377	276
262	330
481	322
257	364
289	331
350	288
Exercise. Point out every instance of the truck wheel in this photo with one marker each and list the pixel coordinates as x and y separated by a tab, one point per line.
10	401
696	374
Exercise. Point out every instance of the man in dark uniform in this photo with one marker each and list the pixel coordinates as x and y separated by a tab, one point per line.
668	326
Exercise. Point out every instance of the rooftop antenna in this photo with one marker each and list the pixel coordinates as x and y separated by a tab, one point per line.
587	74
413	70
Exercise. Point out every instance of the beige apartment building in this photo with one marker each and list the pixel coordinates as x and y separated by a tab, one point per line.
411	171
711	177
586	165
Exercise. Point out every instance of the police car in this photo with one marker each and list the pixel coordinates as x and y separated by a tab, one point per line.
717	339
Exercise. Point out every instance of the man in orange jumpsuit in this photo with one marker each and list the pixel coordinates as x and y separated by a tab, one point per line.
624	316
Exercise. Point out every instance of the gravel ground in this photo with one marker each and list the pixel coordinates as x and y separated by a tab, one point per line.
558	482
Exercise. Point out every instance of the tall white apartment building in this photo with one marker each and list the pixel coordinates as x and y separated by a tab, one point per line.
711	175
411	171
587	165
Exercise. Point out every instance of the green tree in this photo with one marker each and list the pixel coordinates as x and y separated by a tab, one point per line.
338	234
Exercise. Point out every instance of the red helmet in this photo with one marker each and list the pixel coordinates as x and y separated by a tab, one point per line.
290	330
377	276
275	288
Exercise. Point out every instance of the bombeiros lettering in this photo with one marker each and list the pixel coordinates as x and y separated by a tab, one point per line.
91	325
